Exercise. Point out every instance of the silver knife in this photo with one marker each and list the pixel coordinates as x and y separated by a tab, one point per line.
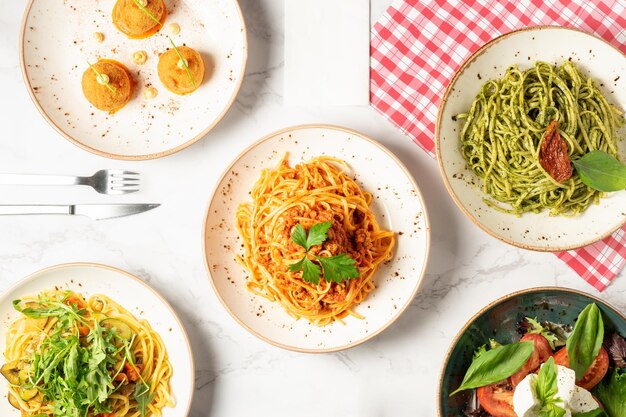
95	211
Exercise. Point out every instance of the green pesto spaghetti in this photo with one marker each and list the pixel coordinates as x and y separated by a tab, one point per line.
504	127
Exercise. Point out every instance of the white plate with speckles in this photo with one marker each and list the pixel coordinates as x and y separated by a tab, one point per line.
58	40
131	293
596	59
397	204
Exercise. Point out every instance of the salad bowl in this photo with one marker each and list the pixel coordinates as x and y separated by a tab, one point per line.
500	321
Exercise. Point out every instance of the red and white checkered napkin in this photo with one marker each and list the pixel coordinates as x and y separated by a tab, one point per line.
418	45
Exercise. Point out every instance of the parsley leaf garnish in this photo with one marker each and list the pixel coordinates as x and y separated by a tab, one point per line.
335	268
338	268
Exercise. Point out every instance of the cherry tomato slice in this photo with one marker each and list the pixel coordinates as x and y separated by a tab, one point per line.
541	354
497	399
594	374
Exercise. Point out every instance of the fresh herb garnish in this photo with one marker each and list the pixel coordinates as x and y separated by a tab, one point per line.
72	372
101	78
147	12
612	393
537	328
184	61
601	171
586	339
335	268
546	389
143	397
494	365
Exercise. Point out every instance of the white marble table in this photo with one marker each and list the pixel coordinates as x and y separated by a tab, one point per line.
395	374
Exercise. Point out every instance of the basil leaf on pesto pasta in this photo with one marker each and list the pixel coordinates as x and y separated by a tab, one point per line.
601	171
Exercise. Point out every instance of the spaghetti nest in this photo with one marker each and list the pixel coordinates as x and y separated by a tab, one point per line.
75	357
310	193
504	127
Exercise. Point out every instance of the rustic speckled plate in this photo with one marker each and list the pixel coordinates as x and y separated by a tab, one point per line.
604	63
397	204
131	293
58	40
498	321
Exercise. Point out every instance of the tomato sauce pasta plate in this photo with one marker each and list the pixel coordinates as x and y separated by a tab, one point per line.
316	238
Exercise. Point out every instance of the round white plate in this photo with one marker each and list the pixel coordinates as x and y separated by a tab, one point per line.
128	291
597	59
57	42
397	204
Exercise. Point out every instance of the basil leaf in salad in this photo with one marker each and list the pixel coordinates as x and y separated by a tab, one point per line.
494	365
598	412
546	390
612	393
586	339
601	171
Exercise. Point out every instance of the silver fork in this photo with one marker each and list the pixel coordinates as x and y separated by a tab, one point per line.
106	181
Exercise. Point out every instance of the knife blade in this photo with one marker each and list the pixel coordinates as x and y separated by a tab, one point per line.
94	211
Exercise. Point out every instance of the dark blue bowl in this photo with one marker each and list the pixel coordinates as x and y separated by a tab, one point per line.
499	321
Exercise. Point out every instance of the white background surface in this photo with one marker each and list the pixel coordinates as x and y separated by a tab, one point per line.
395	374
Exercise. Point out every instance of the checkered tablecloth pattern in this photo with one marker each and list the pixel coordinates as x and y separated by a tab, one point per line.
418	45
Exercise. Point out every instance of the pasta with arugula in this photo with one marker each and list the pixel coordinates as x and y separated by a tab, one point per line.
75	357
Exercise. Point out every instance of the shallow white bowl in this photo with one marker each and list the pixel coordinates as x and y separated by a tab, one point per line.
57	42
397	204
128	291
597	59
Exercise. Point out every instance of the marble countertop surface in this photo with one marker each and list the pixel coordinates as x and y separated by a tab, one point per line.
395	374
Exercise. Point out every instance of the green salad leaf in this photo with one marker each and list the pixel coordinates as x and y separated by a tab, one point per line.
598	412
586	339
491	366
611	392
537	328
601	171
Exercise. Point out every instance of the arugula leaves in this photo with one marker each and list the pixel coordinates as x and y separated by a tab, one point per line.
335	268
491	366
612	393
601	171
546	389
74	374
143	397
586	339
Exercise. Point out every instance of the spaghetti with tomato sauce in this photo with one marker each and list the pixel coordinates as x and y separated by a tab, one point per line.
313	192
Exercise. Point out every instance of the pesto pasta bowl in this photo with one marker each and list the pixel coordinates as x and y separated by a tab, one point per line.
497	161
499	321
